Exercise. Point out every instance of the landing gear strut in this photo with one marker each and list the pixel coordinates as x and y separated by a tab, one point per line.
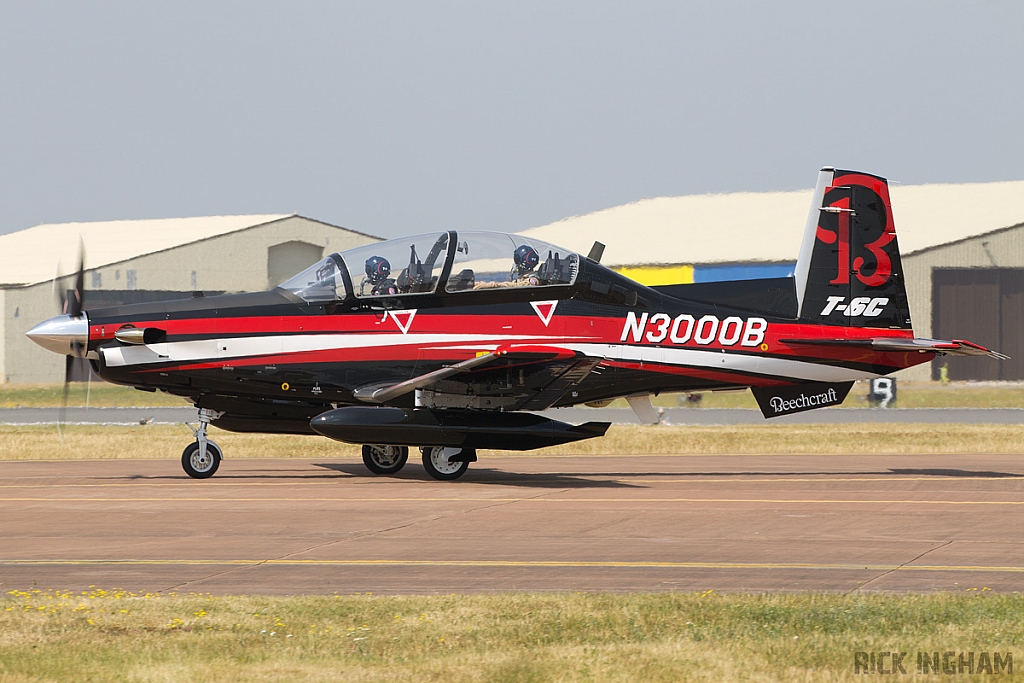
201	459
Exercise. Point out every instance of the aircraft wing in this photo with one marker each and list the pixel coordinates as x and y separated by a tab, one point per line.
956	347
377	393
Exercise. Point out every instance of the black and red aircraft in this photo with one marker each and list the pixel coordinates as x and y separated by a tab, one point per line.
452	341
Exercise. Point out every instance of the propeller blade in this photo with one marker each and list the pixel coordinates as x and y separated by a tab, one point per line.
71	303
57	289
76	297
69	364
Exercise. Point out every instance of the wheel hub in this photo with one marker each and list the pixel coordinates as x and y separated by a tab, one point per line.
201	460
385	456
439	459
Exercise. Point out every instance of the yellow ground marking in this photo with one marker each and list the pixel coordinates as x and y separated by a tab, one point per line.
527	563
740	479
696	478
779	501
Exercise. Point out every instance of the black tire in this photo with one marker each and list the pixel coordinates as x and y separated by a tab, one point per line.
437	466
382	459
198	467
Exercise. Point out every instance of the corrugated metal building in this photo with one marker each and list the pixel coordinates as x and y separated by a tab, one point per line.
146	260
972	289
962	247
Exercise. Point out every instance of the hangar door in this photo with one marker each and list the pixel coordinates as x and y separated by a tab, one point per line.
290	258
982	305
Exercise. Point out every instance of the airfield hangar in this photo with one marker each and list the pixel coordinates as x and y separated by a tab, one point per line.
146	260
962	248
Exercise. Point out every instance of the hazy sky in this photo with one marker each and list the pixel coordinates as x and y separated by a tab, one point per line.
402	117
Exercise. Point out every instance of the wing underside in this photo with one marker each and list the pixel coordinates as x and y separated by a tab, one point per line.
513	378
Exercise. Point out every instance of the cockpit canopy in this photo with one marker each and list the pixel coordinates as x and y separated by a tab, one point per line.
469	261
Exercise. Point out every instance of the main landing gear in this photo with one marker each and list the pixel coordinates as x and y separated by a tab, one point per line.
445	463
381	459
202	458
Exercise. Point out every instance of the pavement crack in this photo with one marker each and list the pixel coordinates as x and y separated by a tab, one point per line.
213	576
901	566
367	534
414	522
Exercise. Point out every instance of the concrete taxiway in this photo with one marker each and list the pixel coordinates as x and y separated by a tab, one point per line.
554	523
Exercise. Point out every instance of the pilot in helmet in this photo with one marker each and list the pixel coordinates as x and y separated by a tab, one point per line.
526	259
378	272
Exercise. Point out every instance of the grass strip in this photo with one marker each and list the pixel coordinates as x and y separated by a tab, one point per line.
167	441
115	635
910	395
95	394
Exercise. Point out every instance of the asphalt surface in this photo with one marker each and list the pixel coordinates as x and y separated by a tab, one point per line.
679	416
552	523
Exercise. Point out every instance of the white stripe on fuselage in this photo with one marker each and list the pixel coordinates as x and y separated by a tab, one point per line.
226	349
717	360
272	345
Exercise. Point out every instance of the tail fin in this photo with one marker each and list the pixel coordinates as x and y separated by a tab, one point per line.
849	271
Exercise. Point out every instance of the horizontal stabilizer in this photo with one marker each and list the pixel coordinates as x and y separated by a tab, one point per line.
956	347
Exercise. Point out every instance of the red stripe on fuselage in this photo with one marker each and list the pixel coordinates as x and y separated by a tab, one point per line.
738	378
561	330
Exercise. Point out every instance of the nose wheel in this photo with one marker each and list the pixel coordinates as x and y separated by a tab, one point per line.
447	463
201	464
201	459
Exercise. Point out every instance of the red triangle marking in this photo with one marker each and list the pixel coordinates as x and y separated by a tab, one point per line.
545	310
403	319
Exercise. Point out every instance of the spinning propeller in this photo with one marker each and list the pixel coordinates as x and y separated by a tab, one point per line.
68	333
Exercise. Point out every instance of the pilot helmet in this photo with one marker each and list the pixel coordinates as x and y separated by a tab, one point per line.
526	258
377	269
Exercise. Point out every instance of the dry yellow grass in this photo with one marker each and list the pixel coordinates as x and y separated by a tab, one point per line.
167	441
95	394
113	636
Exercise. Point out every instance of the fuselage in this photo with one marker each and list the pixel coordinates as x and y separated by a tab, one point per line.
452	341
274	348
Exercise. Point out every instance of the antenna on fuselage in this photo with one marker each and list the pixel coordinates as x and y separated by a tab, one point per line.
596	252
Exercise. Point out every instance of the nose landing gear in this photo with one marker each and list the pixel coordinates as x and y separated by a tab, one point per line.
201	459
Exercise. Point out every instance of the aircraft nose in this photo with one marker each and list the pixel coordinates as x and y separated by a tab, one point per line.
66	335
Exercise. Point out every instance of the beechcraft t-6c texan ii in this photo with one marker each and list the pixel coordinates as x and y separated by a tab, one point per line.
452	341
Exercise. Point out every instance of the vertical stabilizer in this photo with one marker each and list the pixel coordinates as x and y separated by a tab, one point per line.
849	271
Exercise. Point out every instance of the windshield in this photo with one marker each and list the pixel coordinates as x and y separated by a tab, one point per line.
491	260
322	281
413	265
410	265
